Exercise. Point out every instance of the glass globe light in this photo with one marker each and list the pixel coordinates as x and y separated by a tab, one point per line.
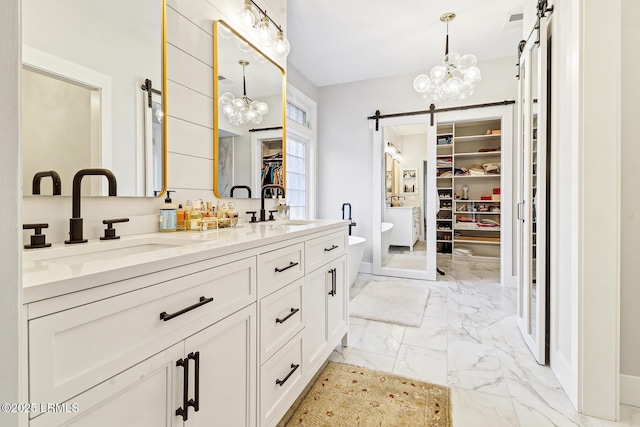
467	61
281	47
472	75
248	14
452	59
264	32
422	83
438	73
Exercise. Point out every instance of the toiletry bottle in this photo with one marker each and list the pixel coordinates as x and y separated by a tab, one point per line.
180	217
283	209
188	211
168	214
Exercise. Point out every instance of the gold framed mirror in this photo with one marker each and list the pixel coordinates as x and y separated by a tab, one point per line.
249	117
94	93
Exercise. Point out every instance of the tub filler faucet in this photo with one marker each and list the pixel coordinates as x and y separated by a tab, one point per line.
351	223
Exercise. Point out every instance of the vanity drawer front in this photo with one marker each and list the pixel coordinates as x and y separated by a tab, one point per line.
280	267
323	249
73	350
280	318
280	382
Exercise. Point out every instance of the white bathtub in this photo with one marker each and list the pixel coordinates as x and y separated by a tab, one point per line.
385	239
355	252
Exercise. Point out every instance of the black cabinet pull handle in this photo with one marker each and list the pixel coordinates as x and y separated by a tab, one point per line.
195	402
291	264
335	281
293	311
184	409
164	316
331	248
332	292
294	367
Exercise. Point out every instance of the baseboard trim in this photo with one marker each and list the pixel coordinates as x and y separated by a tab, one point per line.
630	390
366	267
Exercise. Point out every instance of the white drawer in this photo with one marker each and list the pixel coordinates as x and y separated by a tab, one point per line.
323	249
280	267
75	349
280	382
280	318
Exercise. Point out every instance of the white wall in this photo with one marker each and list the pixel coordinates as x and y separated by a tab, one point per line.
12	349
630	207
345	137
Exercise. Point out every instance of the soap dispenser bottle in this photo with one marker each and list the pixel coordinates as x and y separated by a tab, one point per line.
168	214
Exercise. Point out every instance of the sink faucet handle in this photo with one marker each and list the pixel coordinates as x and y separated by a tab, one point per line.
253	216
110	232
271	217
38	240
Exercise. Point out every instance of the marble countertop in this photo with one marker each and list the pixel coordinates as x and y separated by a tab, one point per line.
54	271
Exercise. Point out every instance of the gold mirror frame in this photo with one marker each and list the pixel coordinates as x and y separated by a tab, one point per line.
217	112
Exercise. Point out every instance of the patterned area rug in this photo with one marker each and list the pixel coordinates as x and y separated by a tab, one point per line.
392	301
347	395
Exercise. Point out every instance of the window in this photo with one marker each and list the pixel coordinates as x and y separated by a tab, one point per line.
296	176
296	114
300	154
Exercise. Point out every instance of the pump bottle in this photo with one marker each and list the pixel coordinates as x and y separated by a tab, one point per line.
168	214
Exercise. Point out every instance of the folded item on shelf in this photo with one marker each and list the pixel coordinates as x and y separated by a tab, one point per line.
489	223
461	218
491	168
446	174
461	171
476	170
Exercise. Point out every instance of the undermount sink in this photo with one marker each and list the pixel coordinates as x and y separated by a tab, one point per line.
296	222
102	250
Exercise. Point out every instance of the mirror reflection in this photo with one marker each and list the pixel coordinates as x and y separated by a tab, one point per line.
92	93
403	236
249	146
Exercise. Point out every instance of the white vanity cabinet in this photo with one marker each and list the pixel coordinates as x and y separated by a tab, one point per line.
226	336
129	354
325	302
406	225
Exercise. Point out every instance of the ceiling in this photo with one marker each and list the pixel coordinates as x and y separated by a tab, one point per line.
338	41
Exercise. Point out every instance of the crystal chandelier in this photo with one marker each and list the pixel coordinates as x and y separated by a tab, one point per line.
241	111
264	29
454	79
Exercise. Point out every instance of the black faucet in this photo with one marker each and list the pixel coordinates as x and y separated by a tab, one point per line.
280	188
75	223
57	184
246	187
351	224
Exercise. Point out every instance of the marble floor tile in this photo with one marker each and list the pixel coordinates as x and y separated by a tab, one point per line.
425	364
462	327
472	408
432	333
541	406
476	367
364	359
380	338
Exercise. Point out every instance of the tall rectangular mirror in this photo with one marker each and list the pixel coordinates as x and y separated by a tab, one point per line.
249	111
93	93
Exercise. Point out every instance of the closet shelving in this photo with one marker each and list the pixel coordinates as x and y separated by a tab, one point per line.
271	164
409	181
468	156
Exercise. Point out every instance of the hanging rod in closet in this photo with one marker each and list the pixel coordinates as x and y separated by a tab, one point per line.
432	109
262	129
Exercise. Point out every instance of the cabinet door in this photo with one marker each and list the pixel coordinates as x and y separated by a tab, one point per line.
224	384
337	302
314	308
143	395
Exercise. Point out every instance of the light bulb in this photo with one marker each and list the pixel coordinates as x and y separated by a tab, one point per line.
226	99
248	15
264	32
281	47
452	60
